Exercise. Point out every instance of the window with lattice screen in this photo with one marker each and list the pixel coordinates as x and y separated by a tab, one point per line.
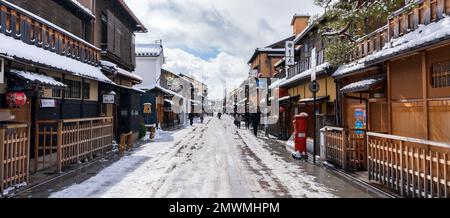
440	75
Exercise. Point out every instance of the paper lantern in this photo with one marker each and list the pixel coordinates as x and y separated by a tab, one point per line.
16	99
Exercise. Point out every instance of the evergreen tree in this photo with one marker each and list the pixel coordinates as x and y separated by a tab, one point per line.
345	21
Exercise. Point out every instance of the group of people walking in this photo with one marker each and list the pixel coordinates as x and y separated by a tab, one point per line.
253	119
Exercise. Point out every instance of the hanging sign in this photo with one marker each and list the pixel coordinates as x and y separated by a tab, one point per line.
313	64
2	71
48	103
147	108
254	73
290	53
314	87
109	99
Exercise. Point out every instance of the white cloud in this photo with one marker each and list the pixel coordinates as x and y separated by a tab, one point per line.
230	28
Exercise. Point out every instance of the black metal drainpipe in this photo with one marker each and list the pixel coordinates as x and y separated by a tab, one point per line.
367	106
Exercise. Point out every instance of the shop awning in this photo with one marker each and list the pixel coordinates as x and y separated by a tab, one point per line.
308	100
38	79
363	85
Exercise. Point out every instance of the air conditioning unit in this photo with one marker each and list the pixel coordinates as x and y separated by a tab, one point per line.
2	71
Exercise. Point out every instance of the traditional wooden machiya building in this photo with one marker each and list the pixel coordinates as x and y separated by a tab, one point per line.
52	88
114	33
293	82
395	103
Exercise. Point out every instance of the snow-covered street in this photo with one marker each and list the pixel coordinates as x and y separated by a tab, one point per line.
211	160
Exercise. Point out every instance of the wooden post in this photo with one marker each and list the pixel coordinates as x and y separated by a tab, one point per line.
425	93
28	152
91	141
122	144
78	141
402	186
36	148
345	142
2	154
59	146
389	97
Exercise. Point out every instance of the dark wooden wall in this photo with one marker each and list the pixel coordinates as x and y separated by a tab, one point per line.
70	109
57	13
120	36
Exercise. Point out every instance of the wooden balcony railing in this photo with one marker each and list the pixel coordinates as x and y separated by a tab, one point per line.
304	64
33	30
412	167
65	142
14	155
345	148
400	23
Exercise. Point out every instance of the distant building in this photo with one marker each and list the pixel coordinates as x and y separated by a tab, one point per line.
149	62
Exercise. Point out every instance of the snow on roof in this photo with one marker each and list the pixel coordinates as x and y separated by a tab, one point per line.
11	47
169	101
351	67
152	50
422	36
280	62
362	85
108	64
37	78
83	8
48	23
305	100
284	98
125	73
131	88
277	83
305	74
157	86
271	49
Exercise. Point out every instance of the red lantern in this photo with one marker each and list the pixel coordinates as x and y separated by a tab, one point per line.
282	109
16	99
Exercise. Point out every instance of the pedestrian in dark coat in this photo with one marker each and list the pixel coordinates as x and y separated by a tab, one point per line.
256	119
247	120
191	118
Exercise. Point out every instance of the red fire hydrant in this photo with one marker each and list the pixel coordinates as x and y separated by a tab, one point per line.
301	127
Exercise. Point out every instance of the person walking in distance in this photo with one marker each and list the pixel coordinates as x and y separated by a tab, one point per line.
239	121
191	119
256	119
247	120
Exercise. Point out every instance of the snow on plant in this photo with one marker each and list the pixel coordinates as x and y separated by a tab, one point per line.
345	21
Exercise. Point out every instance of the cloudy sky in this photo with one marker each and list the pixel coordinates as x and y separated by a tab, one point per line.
213	39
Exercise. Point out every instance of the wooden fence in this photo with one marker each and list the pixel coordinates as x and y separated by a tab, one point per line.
412	167
334	145
14	154
65	142
346	149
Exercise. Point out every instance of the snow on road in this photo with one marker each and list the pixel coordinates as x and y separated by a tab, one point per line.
211	160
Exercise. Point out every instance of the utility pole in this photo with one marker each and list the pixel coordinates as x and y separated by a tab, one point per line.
314	88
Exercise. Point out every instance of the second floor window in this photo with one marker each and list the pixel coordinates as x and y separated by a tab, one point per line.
440	75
